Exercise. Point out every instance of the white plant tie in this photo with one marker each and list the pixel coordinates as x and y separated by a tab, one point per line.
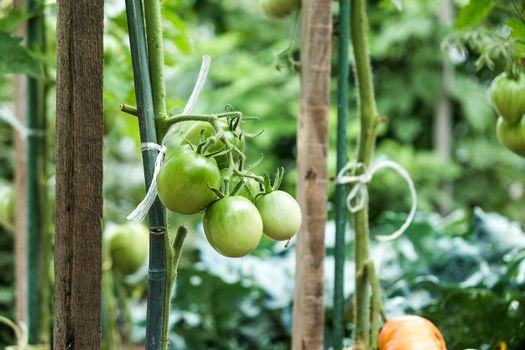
142	209
197	90
356	199
144	206
22	130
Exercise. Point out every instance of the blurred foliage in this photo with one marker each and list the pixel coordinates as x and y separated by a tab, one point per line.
465	271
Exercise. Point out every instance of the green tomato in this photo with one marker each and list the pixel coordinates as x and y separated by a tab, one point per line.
512	136
128	247
250	189
7	206
280	213
279	8
233	226
508	97
183	181
193	136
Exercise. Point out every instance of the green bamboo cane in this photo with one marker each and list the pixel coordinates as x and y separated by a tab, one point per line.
37	240
157	220
369	119
153	21
342	157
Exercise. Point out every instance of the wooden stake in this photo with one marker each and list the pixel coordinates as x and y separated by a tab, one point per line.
316	47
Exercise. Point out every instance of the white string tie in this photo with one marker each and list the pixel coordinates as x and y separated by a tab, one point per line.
142	209
356	199
22	130
144	206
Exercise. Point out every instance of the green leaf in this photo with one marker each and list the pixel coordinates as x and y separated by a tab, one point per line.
17	58
517	27
475	12
13	19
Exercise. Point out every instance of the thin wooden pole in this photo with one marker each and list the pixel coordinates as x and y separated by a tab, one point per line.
341	212
78	261
312	144
157	256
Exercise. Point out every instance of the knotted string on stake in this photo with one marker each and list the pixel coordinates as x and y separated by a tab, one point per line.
22	130
356	199
142	209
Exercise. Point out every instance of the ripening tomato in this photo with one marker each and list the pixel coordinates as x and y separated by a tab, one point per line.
512	136
508	97
279	8
410	332
183	181
280	214
205	130
233	226
128	247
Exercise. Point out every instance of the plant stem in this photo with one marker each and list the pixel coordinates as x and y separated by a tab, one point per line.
156	56
369	118
171	269
129	109
342	157
157	220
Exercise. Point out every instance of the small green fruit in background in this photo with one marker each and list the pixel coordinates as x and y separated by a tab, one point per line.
508	97
128	247
512	136
279	8
7	206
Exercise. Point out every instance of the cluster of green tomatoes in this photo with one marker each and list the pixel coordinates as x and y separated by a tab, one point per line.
203	171
507	93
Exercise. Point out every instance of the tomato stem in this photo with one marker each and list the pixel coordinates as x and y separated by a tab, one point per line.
377	305
153	21
132	110
369	119
175	252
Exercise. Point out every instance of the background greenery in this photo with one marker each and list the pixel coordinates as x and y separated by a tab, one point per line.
461	264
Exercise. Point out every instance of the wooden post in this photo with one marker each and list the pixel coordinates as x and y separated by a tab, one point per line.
79	174
316	48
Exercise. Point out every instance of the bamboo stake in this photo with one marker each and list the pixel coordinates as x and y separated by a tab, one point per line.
342	157
37	240
157	256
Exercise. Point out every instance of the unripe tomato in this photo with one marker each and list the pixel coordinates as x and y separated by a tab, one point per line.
233	226
128	247
508	97
280	214
512	136
7	206
250	189
193	136
279	8
410	332
183	181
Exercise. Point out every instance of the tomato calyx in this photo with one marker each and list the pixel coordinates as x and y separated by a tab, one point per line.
269	186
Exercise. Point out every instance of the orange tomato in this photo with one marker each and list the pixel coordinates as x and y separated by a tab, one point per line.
410	332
